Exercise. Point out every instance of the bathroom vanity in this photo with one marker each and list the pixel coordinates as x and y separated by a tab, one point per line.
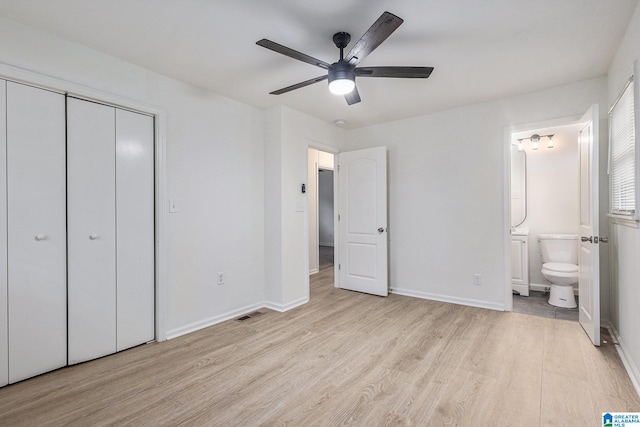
520	260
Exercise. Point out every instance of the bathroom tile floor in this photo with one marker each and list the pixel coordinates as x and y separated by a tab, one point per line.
537	304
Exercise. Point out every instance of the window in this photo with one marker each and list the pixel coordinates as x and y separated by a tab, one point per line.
622	154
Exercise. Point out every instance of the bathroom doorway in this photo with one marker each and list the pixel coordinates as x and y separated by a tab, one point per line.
544	184
321	211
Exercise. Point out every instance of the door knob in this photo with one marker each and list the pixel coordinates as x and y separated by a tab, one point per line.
587	239
41	237
93	236
381	230
604	240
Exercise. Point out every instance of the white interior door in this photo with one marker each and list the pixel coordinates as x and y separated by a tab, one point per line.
135	229
4	319
589	254
362	188
36	219
91	202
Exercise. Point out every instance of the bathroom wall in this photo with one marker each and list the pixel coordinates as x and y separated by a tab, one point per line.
552	190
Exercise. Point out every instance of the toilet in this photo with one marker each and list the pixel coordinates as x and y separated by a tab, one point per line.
559	254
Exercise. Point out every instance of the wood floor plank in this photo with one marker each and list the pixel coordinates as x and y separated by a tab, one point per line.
562	349
343	358
566	401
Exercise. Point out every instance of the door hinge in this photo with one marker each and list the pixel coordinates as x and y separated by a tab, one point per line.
338	217
339	267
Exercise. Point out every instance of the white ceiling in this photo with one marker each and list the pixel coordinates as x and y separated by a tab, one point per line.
481	50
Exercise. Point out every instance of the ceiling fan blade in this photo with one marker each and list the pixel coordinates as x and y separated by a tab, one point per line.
399	72
292	53
353	97
299	85
379	31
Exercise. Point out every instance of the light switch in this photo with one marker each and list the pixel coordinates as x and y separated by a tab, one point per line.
173	206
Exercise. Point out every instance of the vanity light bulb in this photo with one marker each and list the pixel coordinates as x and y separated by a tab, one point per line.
550	143
535	145
520	147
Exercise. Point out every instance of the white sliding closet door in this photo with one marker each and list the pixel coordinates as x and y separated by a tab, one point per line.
36	219
135	228
92	229
4	320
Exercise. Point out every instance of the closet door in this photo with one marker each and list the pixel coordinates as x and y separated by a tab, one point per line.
135	228
4	321
36	220
91	229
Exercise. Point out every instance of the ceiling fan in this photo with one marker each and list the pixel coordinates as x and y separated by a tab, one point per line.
342	74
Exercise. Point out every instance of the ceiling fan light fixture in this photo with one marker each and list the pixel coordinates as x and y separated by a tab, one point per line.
341	86
342	78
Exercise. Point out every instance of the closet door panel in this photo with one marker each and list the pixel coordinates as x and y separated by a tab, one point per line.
4	323
91	230
135	228
36	220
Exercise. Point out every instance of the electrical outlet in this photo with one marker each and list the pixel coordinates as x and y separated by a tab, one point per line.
477	279
220	277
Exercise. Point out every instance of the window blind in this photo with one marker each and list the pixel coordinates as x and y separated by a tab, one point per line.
622	153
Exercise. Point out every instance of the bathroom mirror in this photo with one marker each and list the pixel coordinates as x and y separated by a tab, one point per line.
518	186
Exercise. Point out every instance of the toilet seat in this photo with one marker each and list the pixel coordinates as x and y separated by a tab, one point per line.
560	267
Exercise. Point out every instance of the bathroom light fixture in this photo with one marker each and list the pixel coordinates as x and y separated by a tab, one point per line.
535	138
535	141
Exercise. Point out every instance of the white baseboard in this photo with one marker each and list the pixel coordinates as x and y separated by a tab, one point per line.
201	324
545	288
286	307
192	327
445	298
629	365
538	287
313	271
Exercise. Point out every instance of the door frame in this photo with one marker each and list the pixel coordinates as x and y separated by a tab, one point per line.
311	143
19	75
506	213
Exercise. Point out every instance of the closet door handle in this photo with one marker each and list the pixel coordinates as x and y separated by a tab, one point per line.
40	237
93	236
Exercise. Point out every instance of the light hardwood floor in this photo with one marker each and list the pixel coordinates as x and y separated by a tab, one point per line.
344	358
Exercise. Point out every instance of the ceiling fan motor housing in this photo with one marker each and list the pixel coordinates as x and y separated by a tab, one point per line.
341	70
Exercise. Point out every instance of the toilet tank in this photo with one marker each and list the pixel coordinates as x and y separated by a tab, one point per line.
559	248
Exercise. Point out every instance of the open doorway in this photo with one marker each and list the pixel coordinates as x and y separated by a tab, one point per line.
321	211
325	219
544	211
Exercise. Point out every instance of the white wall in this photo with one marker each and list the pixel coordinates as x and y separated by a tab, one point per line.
215	171
552	191
625	239
446	190
325	208
287	275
